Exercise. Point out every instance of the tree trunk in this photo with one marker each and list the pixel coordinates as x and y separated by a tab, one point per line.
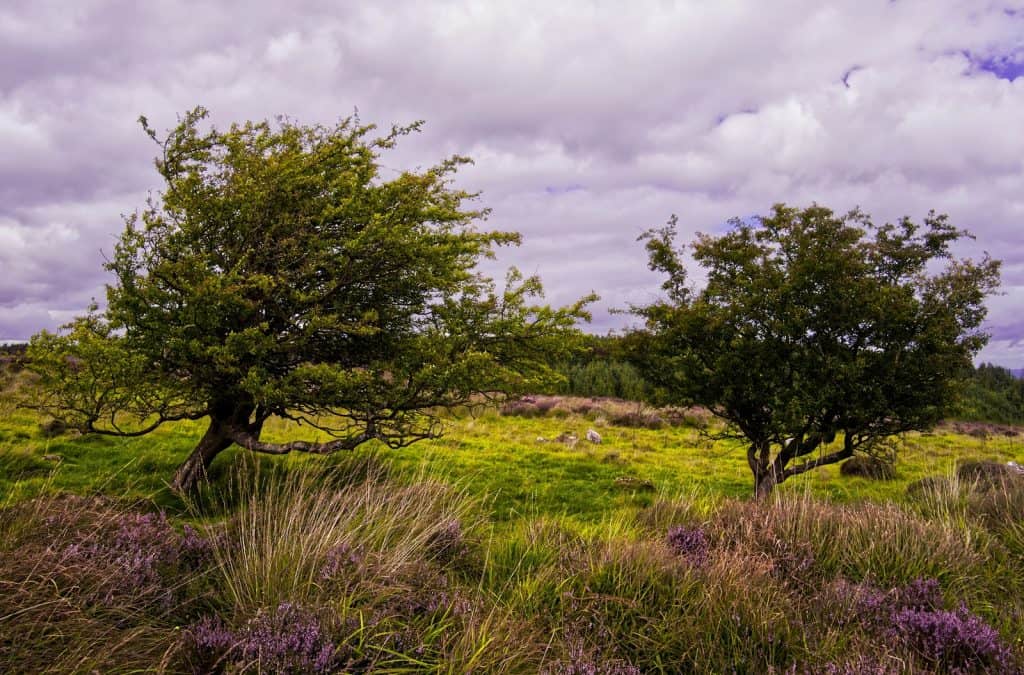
764	483
193	469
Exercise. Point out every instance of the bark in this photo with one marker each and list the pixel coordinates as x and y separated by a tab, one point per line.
764	483
193	470
233	425
766	471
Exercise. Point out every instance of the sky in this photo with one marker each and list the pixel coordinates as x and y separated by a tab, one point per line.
589	121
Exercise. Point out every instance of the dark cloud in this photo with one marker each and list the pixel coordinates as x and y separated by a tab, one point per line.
589	122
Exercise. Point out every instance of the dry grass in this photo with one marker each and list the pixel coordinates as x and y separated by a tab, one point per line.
84	587
285	528
355	571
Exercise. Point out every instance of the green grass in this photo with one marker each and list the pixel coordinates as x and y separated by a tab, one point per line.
498	459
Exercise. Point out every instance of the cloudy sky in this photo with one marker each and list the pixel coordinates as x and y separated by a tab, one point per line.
589	121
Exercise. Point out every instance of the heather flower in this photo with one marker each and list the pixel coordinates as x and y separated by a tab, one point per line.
924	594
341	558
791	561
288	640
959	641
874	606
141	556
864	665
580	661
955	641
690	543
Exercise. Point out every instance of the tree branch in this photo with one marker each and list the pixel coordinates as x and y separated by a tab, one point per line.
252	442
90	425
831	458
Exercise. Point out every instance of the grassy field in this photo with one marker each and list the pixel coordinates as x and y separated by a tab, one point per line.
514	463
500	548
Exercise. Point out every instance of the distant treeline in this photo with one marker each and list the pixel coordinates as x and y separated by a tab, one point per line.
990	393
12	355
603	370
13	348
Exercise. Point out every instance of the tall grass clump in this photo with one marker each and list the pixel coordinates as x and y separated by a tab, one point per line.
348	569
885	543
986	500
616	599
92	585
288	528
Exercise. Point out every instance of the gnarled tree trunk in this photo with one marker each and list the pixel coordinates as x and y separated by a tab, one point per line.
225	422
764	483
192	470
767	472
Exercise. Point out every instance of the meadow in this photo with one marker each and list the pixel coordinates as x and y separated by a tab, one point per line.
512	544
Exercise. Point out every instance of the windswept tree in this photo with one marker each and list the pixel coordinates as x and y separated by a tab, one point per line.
817	335
279	274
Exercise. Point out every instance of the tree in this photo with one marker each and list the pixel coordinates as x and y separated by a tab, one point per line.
279	274
817	335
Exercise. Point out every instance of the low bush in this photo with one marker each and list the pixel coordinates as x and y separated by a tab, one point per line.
867	466
988	474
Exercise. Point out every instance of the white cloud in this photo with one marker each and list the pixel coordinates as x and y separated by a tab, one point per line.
589	121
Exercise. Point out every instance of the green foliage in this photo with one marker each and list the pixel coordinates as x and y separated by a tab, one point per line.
280	274
601	368
991	394
618	379
815	327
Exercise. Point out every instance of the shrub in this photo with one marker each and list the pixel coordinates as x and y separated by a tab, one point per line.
91	585
53	428
868	467
986	475
927	485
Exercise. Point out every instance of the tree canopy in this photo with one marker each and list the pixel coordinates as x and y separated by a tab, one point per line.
280	273
817	335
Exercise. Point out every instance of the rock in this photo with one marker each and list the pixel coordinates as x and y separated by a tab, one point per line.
634	483
52	458
568	438
593	436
